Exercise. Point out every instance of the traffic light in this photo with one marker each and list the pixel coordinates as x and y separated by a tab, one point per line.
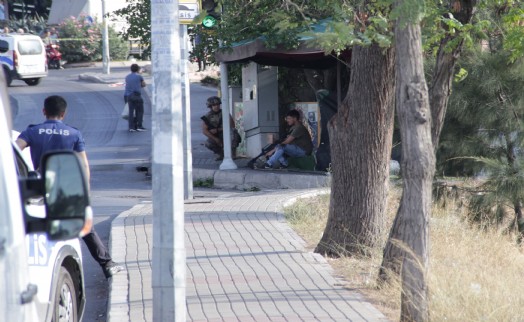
212	15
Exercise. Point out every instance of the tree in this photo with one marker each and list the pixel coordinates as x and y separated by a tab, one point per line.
448	52
488	103
361	137
137	14
360	133
418	160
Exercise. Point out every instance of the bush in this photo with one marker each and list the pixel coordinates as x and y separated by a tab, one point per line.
118	47
81	41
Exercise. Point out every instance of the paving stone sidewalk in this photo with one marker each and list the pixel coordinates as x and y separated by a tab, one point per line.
244	263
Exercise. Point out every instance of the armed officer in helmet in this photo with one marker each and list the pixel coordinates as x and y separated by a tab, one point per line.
212	128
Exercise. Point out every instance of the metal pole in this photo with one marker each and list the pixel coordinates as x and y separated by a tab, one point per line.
188	162
105	41
227	163
169	258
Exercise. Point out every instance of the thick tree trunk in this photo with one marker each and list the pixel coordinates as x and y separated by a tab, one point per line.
360	140
418	164
438	97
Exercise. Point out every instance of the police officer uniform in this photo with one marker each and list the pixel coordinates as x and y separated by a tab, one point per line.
54	135
49	136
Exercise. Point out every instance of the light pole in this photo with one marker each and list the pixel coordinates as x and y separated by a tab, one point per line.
169	257
105	41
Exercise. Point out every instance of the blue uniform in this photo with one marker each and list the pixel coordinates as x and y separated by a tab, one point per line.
133	84
49	136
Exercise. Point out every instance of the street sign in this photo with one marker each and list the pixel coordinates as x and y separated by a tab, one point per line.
188	10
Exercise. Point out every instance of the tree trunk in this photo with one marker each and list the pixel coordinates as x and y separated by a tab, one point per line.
360	139
442	78
418	164
438	97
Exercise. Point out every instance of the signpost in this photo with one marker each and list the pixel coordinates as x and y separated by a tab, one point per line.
188	10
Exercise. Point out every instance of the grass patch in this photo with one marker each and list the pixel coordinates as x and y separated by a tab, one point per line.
474	274
204	183
208	80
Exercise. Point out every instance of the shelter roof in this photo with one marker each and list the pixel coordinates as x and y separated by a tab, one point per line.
256	50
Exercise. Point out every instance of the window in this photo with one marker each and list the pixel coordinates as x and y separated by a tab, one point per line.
29	47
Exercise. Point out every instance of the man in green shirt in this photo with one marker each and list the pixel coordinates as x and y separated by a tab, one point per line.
297	143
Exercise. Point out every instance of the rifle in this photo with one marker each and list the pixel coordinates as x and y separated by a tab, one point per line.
266	149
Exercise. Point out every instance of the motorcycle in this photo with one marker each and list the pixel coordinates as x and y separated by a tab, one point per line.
54	56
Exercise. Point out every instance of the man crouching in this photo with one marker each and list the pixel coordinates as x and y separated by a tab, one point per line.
212	128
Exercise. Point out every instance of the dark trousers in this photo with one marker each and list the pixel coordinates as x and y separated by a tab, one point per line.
97	249
136	110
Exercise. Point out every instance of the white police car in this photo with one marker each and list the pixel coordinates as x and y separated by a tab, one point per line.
55	267
41	275
23	56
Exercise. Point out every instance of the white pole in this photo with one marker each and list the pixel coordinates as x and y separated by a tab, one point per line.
227	163
105	41
169	258
188	162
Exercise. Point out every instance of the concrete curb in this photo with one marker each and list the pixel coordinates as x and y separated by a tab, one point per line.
249	180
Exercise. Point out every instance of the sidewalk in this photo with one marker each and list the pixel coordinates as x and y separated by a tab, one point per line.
244	263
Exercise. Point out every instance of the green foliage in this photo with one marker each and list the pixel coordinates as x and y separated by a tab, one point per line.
204	183
514	38
484	120
35	25
80	40
137	14
484	113
118	47
493	202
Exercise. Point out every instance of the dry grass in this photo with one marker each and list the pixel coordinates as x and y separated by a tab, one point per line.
475	275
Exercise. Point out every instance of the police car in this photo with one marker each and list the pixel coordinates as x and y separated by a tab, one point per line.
23	57
41	218
55	267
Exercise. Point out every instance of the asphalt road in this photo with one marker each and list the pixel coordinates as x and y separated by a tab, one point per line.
113	152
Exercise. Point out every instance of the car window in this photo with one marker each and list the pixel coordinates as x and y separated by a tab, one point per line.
29	47
21	167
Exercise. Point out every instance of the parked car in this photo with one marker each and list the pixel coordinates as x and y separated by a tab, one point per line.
41	218
23	56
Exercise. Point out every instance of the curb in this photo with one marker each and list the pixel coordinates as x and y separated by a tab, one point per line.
250	180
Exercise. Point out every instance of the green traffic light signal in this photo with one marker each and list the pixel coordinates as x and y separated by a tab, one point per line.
209	21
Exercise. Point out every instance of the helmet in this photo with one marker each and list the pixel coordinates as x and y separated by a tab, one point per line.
213	100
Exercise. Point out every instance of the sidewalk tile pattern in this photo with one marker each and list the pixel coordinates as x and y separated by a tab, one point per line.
244	263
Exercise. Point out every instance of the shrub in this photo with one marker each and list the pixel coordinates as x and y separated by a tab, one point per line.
118	47
80	39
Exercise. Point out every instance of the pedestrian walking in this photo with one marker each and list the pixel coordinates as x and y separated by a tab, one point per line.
133	97
52	135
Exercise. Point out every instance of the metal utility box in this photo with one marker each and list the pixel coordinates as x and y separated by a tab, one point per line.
260	106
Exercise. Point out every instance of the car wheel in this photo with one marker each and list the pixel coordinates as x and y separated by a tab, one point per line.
8	78
65	306
32	81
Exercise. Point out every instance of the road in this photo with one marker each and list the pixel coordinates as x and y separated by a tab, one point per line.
113	152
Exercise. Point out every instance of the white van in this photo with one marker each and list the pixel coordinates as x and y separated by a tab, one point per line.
40	268
23	57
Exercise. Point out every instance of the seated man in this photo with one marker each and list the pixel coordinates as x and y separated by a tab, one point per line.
212	128
297	143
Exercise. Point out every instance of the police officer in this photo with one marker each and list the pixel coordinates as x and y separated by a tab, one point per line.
212	128
51	135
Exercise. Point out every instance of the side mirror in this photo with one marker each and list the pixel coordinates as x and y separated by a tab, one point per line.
66	199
